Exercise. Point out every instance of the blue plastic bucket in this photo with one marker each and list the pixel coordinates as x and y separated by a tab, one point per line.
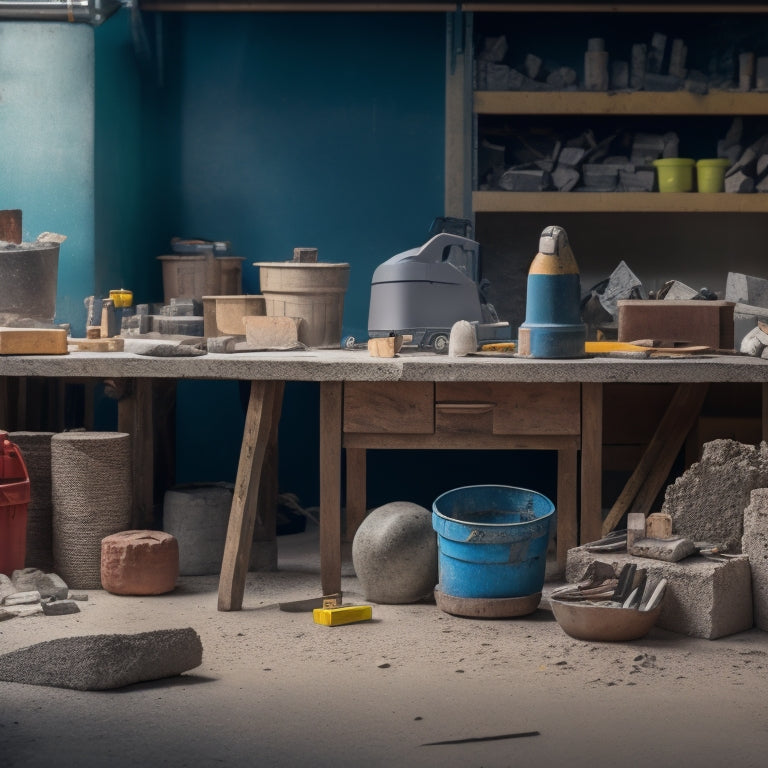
492	540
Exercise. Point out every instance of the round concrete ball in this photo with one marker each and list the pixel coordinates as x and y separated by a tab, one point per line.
394	553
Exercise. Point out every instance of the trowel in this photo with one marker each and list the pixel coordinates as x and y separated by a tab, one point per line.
308	605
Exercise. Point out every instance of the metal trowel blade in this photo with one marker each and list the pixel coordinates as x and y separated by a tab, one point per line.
305	606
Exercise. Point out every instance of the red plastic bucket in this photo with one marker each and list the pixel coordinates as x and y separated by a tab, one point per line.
14	498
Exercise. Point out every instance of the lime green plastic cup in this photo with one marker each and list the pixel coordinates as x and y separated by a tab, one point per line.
675	174
710	174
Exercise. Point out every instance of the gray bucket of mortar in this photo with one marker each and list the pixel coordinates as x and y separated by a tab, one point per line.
28	282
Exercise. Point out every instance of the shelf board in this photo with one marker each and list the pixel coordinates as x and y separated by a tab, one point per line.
617	202
620	103
619	6
304	6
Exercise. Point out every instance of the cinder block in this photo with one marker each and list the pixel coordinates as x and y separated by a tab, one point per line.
754	544
704	598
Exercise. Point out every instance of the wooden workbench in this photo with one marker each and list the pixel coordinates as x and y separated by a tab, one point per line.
474	402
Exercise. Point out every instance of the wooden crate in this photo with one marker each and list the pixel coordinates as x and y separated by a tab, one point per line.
708	323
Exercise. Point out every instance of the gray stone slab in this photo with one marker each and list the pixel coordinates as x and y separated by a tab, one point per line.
755	546
358	365
708	500
102	662
704	598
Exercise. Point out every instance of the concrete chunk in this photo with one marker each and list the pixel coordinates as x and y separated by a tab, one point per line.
60	607
22	598
6	587
704	598
47	584
707	501
668	550
102	662
755	546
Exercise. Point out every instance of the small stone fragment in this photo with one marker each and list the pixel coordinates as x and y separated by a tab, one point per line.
60	607
22	598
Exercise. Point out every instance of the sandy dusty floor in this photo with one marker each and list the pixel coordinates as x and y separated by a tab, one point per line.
275	689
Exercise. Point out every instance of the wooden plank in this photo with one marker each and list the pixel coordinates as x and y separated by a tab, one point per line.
547	6
4	404
493	201
242	517
113	344
650	474
461	442
618	103
10	226
591	461
266	508
356	491
567	484
134	416
330	485
399	407
33	341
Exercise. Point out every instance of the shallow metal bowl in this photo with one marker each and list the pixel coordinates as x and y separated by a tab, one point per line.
602	622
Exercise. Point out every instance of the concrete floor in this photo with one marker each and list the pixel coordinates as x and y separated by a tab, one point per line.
275	689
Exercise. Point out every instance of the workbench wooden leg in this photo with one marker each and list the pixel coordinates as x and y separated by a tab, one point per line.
567	491
330	485
591	462
4	406
134	416
356	491
266	511
242	517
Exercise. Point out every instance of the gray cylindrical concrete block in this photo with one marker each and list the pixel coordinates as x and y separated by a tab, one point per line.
198	516
394	553
92	496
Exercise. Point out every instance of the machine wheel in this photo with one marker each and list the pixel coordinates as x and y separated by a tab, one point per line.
440	343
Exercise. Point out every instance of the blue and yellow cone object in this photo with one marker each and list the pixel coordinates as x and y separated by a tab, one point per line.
553	327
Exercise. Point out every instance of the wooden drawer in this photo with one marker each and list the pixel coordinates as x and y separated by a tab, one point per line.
508	409
397	407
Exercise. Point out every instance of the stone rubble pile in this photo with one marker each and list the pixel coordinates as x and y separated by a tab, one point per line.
661	64
30	591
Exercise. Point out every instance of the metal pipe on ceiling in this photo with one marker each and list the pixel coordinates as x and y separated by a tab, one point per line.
92	12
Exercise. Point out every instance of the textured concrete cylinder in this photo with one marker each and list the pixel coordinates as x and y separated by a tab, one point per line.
92	498
35	448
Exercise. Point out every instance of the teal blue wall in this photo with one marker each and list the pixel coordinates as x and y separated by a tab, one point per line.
136	162
268	130
322	130
46	140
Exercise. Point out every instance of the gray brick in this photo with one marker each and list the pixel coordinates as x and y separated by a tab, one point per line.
704	598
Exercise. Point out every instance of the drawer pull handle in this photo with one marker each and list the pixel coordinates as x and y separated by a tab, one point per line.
465	408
